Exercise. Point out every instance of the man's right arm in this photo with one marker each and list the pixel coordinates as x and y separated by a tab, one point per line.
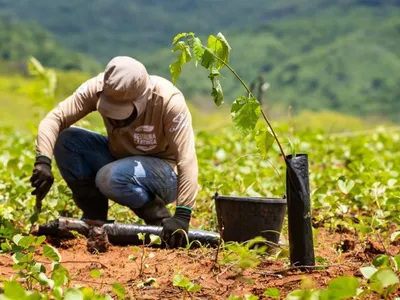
82	102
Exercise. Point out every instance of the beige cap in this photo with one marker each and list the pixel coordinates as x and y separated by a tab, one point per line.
126	82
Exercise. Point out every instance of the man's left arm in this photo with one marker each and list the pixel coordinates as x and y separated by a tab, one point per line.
179	132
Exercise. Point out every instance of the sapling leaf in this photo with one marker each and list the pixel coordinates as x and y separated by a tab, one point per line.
207	59
155	239
223	51
175	69
220	47
51	253
185	55
179	46
217	92
198	49
264	138
178	37
245	112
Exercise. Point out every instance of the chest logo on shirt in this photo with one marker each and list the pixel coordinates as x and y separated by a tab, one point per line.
145	138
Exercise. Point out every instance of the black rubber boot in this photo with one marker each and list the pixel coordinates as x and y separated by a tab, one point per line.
153	212
90	200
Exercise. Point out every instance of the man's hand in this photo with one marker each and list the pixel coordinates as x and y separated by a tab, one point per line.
174	229
42	178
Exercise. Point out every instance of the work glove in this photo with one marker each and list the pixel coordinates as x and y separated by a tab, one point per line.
42	178
174	228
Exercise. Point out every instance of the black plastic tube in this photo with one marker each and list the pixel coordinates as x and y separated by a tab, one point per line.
299	211
122	234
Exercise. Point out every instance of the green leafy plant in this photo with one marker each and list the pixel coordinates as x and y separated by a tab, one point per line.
242	256
154	240
186	284
29	269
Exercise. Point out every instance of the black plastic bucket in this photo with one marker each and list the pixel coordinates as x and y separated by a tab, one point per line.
243	218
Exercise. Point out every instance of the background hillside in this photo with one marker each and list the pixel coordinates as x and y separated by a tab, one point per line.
341	55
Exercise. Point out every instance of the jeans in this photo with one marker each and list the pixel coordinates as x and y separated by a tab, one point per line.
83	156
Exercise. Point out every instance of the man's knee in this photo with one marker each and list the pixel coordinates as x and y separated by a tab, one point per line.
105	180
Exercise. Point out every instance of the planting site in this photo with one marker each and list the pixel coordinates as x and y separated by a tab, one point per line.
355	217
268	176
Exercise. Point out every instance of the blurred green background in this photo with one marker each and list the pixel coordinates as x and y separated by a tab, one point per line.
332	64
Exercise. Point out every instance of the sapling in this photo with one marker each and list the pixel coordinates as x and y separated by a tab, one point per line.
245	110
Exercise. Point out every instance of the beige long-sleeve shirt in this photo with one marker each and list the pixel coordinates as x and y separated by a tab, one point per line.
162	128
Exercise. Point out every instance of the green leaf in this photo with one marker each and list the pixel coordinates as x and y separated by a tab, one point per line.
346	186
273	293
245	113
175	69
178	37
58	292
6	247
19	257
119	290
37	268
303	295
217	92
73	294
96	273
368	271
207	59
251	297
198	49
39	240
44	280
34	218
185	56
60	275
381	260
219	45
396	260
384	281
343	287
16	238
179	46
51	253
264	138
13	290
191	287
180	281
394	236
155	239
